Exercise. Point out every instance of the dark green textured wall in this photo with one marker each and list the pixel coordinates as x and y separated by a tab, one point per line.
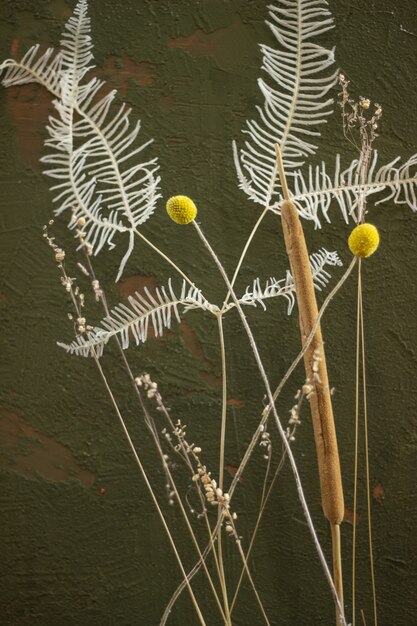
73	555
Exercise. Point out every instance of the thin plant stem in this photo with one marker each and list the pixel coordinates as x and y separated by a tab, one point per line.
355	470
252	233
161	454
243	253
190	575
224	400
221	464
368	486
363	617
266	492
164	256
337	564
194	539
249	575
264	497
278	423
149	486
195	570
266	412
139	463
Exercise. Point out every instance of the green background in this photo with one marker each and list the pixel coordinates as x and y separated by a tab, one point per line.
72	555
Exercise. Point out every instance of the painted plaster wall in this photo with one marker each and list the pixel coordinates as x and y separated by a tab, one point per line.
73	554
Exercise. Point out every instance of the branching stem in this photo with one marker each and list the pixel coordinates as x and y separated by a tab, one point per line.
278	423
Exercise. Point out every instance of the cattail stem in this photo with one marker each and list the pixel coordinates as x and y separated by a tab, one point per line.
337	564
316	372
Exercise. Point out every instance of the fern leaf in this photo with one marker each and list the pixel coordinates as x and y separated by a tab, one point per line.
76	44
93	152
256	294
156	310
44	69
314	193
295	101
76	53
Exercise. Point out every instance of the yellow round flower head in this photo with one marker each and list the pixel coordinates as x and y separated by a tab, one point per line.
181	209
363	240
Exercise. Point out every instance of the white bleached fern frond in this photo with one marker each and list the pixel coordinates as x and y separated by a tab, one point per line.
93	156
44	69
256	293
121	193
319	261
156	310
49	68
316	192
76	54
76	44
295	95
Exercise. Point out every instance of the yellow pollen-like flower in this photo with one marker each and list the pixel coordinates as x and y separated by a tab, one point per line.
363	240
181	209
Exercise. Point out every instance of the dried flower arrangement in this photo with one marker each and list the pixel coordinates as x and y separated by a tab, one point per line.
109	195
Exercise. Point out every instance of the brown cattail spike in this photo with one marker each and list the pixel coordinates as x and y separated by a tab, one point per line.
315	365
316	371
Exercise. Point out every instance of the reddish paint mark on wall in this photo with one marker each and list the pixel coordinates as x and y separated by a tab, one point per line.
33	453
29	107
224	44
123	69
232	469
348	517
137	283
235	402
14	48
378	493
200	43
193	344
130	285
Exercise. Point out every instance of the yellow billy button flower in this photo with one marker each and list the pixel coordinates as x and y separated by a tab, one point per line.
363	240
181	209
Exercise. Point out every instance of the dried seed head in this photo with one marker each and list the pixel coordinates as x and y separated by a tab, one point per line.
59	255
307	389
